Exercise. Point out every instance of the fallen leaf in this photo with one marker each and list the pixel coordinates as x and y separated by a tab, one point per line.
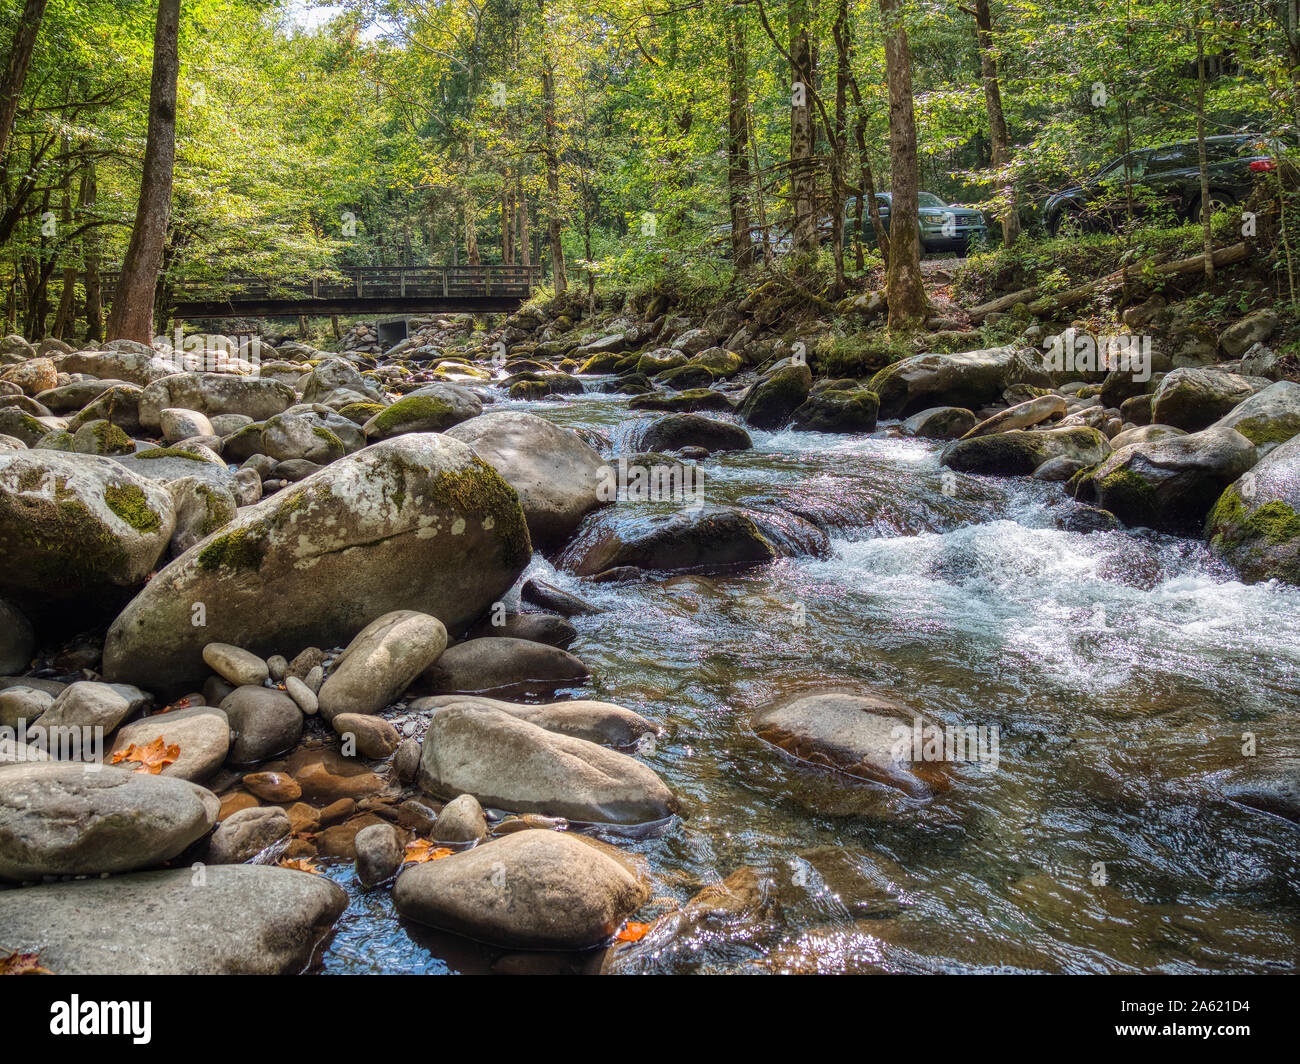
22	964
299	864
632	932
421	850
152	756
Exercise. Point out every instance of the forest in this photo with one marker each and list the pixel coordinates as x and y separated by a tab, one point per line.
650	487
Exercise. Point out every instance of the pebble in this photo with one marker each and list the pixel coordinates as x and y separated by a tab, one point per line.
374	736
303	694
277	666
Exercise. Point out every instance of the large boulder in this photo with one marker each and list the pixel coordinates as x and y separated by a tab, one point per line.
140	367
214	393
17	640
230	920
433	408
712	538
1194	398
772	401
60	818
861	735
508	763
532	889
940	423
964	378
1019	452
1171	484
557	475
418	522
674	431
77	527
1255	525
1267	418
1254	328
838	410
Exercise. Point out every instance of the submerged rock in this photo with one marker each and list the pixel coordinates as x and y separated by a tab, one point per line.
494	662
1019	452
417	522
711	538
861	735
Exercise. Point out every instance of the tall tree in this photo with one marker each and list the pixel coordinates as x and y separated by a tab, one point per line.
1000	154
738	176
15	72
904	287
803	167
132	315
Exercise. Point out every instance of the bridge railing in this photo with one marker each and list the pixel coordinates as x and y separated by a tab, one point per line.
402	282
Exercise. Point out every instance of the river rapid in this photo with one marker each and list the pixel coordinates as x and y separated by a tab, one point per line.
1120	671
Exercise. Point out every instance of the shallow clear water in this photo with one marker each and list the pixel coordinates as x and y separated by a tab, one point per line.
1121	670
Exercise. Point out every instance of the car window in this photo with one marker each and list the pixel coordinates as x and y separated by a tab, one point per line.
929	199
1174	157
1129	168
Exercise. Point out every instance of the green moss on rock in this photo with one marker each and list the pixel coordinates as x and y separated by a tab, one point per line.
128	502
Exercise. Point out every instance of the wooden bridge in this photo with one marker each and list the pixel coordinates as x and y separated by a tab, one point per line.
356	290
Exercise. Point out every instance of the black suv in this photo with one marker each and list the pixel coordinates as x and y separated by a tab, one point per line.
1164	179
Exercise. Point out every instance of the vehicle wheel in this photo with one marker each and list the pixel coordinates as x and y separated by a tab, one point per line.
1220	202
1068	223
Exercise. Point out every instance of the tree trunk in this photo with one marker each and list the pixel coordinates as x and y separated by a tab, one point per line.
471	236
558	273
1001	145
867	181
15	74
132	315
1207	234
521	232
836	137
803	176
904	287
91	251
738	176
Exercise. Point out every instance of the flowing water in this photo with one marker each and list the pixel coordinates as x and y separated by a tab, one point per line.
1123	672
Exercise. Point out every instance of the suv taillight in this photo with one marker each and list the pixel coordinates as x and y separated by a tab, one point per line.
1263	164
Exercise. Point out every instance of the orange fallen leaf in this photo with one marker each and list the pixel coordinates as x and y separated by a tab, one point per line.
632	932
22	964
299	864
421	850
152	756
180	703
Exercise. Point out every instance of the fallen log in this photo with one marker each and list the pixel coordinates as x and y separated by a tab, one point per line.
1141	271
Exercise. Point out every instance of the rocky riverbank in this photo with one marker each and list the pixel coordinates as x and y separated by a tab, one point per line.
285	609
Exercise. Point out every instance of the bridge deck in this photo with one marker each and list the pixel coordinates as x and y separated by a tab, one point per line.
357	290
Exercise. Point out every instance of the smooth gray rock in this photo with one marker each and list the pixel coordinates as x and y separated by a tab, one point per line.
381	662
490	663
71	819
246	833
228	920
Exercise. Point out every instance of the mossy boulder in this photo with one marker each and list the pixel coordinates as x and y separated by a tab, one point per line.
1268	418
1194	398
433	408
719	361
558	476
602	362
684	378
659	360
1255	524
78	528
1019	452
1170	484
418	522
708	539
839	410
119	405
163	464
675	431
772	401
24	426
102	437
691	400
967	379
